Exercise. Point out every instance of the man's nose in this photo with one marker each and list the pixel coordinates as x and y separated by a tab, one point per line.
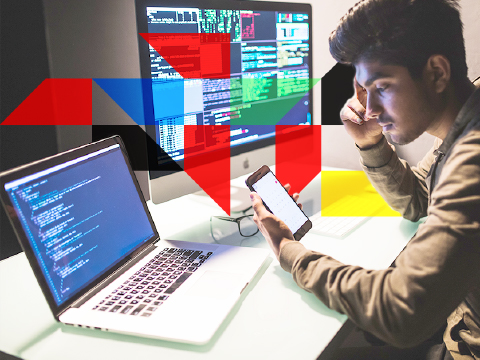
374	108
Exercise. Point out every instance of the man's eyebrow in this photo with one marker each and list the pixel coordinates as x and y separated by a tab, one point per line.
376	76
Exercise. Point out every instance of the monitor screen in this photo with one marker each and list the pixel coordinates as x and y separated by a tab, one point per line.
81	218
269	68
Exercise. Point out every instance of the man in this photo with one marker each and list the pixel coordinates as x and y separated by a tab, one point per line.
411	78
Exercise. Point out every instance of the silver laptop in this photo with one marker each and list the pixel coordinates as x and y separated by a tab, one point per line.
92	244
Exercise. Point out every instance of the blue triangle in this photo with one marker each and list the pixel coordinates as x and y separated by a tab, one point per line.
168	98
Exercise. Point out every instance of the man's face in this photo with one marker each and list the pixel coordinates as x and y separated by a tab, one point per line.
404	107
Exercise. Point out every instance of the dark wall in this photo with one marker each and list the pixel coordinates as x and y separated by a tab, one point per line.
23	66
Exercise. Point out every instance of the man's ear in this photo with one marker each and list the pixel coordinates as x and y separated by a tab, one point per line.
438	72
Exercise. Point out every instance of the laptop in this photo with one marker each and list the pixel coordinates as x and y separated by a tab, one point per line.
86	230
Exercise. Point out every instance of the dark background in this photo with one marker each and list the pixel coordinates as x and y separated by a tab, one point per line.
23	66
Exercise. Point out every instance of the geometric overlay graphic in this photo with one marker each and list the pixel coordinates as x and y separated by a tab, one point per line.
128	94
168	98
337	88
209	168
194	55
289	93
350	193
136	143
297	155
56	102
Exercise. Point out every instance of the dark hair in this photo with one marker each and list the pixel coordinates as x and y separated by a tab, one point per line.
401	32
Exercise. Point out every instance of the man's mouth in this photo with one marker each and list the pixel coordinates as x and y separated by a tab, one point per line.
385	126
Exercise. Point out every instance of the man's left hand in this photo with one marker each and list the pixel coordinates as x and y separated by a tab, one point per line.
273	229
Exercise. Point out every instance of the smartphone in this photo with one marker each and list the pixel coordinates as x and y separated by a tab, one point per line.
278	202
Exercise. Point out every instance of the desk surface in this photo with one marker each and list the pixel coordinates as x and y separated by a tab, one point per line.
274	319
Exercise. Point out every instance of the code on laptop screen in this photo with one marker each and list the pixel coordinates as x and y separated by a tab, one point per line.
81	218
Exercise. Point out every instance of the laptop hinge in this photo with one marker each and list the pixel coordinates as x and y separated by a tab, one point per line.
134	259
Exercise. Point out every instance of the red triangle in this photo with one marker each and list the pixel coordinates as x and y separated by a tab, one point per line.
194	55
207	160
298	154
56	102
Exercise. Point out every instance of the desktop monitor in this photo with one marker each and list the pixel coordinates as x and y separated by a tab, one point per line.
270	64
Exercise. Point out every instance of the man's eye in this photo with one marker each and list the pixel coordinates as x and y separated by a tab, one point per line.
381	89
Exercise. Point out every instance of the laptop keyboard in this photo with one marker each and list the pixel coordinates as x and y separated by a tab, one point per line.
152	285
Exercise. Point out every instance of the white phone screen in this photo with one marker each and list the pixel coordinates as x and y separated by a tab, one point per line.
279	202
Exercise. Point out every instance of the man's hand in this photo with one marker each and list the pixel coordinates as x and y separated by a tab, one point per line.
273	229
295	196
363	130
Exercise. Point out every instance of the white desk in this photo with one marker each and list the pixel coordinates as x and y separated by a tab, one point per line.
273	320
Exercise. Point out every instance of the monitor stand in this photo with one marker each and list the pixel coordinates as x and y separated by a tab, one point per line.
239	198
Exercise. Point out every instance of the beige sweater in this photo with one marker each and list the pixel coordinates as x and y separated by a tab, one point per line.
437	276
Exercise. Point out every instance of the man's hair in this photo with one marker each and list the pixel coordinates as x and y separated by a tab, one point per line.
401	32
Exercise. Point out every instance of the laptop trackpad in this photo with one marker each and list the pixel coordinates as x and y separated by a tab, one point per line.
217	284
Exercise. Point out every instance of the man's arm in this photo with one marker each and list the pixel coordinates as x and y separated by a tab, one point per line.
403	187
406	304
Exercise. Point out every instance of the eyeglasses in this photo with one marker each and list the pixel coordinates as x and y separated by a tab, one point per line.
245	224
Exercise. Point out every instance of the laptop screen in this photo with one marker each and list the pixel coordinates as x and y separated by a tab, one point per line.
81	218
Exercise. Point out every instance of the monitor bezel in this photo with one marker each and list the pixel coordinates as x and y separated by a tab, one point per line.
40	165
155	171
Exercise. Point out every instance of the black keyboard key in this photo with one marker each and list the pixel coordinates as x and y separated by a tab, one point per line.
145	292
163	297
122	302
195	255
103	308
134	302
147	300
151	308
116	308
157	303
126	309
110	303
146	314
181	279
128	297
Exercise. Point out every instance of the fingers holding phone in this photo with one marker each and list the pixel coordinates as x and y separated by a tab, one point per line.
295	196
275	231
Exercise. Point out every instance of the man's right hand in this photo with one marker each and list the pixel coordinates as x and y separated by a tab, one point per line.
363	130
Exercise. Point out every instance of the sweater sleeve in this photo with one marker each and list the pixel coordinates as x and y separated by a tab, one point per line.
403	187
406	304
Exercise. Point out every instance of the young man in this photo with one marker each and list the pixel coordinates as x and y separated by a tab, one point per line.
411	78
